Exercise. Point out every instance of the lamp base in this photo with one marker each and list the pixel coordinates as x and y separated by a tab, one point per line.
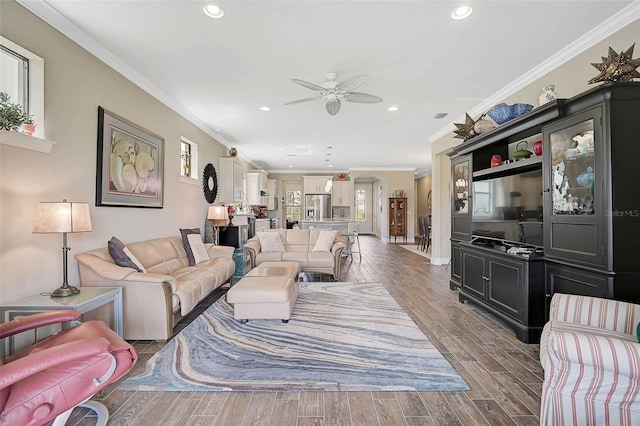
65	290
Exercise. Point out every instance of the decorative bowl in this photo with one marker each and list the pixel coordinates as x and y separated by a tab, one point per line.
502	113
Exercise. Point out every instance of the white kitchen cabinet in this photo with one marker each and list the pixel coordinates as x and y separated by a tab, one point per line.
230	180
315	184
342	193
256	187
272	198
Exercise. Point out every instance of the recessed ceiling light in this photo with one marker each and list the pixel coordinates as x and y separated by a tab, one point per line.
461	12
265	108
329	147
213	11
440	115
290	165
330	165
393	108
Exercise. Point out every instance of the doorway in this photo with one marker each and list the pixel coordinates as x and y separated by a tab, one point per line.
364	208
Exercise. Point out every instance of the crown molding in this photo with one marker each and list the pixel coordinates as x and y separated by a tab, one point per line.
597	34
48	13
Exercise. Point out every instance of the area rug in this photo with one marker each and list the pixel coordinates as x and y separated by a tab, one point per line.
414	249
341	337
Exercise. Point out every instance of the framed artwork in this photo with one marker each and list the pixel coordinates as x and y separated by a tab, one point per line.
130	169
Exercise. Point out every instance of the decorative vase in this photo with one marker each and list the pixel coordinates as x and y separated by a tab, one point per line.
29	129
537	148
547	95
233	152
496	160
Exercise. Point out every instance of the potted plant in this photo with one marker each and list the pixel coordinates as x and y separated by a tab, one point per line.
11	115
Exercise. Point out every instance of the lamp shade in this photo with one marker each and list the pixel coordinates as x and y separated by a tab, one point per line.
217	213
64	217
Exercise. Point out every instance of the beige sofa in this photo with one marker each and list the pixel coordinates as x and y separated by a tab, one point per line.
298	245
155	300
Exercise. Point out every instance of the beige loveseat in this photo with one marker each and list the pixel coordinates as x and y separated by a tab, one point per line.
153	301
298	247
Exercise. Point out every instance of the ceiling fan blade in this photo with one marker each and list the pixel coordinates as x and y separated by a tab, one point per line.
333	106
361	98
354	82
308	85
315	98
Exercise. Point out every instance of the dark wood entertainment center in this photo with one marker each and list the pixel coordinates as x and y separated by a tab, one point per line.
590	212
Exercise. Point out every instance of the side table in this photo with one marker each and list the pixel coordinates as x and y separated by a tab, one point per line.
87	300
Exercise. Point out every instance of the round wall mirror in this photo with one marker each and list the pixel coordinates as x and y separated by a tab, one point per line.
210	183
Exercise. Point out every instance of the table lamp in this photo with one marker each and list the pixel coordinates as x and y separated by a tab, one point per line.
63	218
217	214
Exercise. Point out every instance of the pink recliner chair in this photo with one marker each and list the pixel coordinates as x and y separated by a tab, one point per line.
53	376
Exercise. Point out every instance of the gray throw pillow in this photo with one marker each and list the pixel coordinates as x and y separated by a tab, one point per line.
116	250
187	246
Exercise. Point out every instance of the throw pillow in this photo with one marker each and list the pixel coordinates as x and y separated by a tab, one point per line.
325	240
270	242
185	242
197	247
122	256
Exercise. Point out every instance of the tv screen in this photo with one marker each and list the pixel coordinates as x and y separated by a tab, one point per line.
509	208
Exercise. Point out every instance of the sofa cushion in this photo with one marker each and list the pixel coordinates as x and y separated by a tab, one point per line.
197	248
270	242
325	240
123	256
187	245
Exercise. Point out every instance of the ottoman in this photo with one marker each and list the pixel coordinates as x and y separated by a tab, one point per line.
268	291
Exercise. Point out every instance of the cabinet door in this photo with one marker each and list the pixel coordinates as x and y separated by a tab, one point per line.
253	189
461	198
456	265
504	287
574	201
238	177
473	278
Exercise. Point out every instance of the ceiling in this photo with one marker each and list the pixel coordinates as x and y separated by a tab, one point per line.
218	73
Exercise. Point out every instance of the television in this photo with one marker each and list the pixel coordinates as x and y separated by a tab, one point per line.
509	208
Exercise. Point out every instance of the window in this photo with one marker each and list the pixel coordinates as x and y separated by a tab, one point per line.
188	159
361	205
14	69
22	78
293	202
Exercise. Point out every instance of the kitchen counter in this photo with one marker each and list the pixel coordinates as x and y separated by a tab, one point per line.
341	225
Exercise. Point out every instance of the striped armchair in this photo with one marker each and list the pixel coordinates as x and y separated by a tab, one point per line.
591	360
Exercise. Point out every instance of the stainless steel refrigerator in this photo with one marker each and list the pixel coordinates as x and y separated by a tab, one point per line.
317	207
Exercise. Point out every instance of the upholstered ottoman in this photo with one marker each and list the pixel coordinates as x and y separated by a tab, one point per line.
268	291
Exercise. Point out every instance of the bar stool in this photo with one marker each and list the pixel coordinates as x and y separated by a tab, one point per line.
353	239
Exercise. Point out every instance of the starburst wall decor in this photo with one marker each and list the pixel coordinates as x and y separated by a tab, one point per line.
465	131
617	67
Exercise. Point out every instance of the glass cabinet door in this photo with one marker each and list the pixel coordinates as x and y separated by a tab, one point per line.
573	169
574	204
461	187
400	216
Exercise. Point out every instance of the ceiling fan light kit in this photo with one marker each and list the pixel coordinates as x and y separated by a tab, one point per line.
334	92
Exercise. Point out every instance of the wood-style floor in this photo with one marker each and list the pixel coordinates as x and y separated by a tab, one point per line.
504	374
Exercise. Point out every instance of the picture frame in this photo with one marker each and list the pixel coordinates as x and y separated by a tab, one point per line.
130	164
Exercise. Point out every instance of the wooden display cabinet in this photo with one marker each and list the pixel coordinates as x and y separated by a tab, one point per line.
398	218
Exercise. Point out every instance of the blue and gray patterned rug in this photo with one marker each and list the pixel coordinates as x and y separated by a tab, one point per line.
341	336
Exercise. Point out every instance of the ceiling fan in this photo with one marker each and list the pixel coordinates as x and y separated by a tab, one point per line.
334	91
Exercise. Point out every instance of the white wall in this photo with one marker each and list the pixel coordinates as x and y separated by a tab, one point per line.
76	83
